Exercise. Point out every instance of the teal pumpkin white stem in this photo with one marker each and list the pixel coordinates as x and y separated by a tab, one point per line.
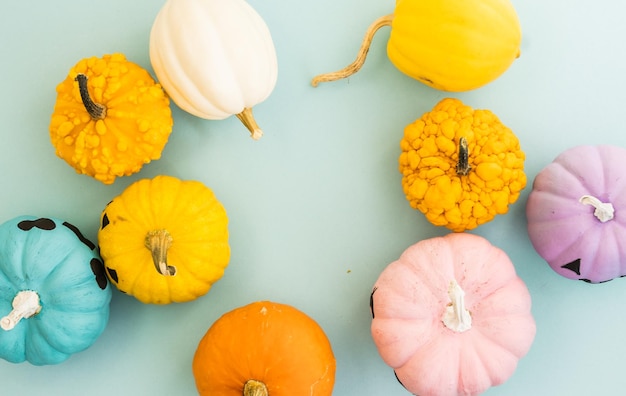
456	317
25	304
604	211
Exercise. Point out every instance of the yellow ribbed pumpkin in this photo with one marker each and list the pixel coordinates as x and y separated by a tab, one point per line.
164	240
450	45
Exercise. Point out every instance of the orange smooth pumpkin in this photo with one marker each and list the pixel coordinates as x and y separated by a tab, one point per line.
264	348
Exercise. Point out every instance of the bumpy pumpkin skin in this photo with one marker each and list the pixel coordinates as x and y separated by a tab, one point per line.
198	226
269	342
411	296
563	230
135	128
52	258
429	159
454	45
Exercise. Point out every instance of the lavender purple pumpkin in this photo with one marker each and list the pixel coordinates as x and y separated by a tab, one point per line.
576	213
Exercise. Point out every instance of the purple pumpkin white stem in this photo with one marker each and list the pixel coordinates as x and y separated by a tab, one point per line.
456	317
604	211
25	304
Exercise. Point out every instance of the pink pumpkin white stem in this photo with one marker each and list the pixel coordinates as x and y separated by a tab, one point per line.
451	317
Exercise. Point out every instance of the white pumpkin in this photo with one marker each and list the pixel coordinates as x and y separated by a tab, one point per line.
214	58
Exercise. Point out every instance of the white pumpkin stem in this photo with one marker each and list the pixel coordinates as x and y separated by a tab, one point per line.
248	120
456	317
604	211
255	388
25	305
360	59
97	111
159	242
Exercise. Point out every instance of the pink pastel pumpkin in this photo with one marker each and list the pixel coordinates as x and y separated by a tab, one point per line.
451	316
574	213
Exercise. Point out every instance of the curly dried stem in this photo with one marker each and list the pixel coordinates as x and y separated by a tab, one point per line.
158	242
255	388
360	59
97	111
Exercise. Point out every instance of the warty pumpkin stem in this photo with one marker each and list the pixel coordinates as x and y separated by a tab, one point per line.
158	242
25	305
248	120
456	317
255	388
97	111
463	167
360	59
604	211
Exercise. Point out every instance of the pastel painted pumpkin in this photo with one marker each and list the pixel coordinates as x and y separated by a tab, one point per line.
574	210
214	58
460	167
54	295
450	45
110	118
451	317
264	349
164	240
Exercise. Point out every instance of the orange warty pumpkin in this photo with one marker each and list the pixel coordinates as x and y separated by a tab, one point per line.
264	348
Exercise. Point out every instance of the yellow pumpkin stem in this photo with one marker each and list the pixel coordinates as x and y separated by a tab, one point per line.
255	388
248	120
97	111
158	242
360	59
463	167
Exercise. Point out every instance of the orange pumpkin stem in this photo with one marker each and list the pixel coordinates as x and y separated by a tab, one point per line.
463	167
360	59
255	388
158	242
248	120
97	111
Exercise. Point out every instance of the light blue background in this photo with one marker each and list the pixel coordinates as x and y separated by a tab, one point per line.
316	208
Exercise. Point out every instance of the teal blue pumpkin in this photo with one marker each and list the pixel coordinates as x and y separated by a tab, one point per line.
54	295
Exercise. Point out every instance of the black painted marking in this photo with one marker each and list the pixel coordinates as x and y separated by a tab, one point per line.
80	236
97	267
573	266
398	379
41	223
372	302
105	221
112	274
595	283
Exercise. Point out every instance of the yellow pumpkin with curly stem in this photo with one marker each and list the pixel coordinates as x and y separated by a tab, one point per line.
461	167
164	240
110	118
450	45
